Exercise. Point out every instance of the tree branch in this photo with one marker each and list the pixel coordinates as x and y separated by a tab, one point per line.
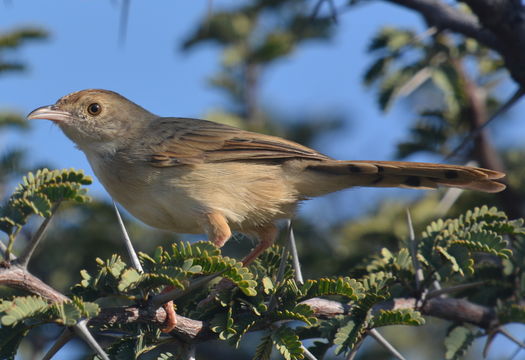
445	17
498	24
457	310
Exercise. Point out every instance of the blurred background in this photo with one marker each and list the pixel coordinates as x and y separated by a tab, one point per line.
354	80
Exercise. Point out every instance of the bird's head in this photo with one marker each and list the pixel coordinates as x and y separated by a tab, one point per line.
91	117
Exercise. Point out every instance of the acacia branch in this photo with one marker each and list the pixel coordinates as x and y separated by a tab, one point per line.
457	310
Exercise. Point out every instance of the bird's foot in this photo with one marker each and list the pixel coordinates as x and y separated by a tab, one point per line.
171	316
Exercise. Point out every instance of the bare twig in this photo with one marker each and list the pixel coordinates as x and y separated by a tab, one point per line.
295	255
124	18
475	132
450	197
333	11
174	294
62	340
3	252
127	241
516	352
380	339
453	289
511	337
307	354
353	353
413	252
280	273
289	247
490	340
83	332
23	259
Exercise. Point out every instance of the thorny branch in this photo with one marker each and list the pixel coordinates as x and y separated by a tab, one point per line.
457	310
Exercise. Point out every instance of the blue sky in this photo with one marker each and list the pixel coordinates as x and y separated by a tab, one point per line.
83	52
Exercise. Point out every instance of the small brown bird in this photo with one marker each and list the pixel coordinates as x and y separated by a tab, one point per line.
195	176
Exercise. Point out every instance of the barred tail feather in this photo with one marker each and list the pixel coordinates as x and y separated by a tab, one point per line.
343	174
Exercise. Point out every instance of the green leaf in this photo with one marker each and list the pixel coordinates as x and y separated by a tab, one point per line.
457	342
287	343
264	349
129	279
38	193
300	312
222	324
348	336
10	338
398	317
21	308
344	286
67	313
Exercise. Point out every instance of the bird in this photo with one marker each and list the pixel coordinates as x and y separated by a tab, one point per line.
196	176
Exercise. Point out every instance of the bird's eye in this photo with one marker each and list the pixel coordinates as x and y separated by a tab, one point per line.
94	109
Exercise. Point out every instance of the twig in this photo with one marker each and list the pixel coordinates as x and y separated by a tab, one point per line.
316	9
3	252
272	302
475	132
307	353
295	255
62	340
333	11
174	294
450	197
511	337
83	332
381	340
288	247
413	252
453	289
23	259
127	241
490	340
437	285
353	353
124	17
516	352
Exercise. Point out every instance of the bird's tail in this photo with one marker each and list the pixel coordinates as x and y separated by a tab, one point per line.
325	177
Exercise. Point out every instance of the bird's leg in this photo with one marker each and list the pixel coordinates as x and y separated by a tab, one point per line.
266	236
219	232
217	228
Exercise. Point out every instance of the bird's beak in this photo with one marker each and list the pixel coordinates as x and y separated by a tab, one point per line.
50	112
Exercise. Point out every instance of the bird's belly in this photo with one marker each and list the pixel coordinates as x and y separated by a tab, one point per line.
147	199
168	213
178	198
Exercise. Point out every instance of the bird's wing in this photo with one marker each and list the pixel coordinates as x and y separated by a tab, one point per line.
180	141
